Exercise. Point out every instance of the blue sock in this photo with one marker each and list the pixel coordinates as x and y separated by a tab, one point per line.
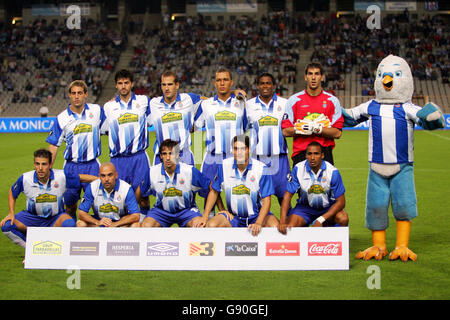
69	223
16	236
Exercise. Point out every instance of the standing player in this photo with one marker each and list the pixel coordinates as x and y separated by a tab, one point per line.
44	189
224	116
172	116
313	115
126	123
247	188
322	193
174	183
265	114
79	126
112	200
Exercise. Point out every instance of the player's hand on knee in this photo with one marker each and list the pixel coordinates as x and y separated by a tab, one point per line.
254	228
282	228
8	217
105	222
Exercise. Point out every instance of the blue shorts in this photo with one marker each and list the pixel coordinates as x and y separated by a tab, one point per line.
209	168
307	213
71	196
133	168
278	167
240	222
32	220
167	219
186	156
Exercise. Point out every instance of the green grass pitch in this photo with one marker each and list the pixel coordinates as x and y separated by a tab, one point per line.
427	278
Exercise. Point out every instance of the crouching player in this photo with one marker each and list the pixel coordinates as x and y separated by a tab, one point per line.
112	200
322	199
175	185
44	189
248	189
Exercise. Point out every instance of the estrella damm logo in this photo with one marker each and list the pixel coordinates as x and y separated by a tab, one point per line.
127	118
43	198
240	190
82	128
108	207
45	248
225	115
268	121
316	189
202	248
171	117
172	192
312	116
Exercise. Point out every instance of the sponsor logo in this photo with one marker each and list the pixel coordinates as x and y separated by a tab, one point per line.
108	207
283	249
43	198
316	189
241	248
122	249
324	248
127	118
312	116
171	117
202	248
84	248
268	121
166	249
172	192
225	115
82	128
240	190
47	248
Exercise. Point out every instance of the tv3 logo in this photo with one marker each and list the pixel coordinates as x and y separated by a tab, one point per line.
202	248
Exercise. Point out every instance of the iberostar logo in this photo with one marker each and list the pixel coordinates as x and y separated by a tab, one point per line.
172	192
225	115
82	128
127	118
240	190
316	189
171	117
108	207
45	248
202	248
43	198
312	116
268	121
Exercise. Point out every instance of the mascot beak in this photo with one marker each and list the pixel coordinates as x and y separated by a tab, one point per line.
388	81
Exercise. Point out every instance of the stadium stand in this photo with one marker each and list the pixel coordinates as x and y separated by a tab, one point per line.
39	59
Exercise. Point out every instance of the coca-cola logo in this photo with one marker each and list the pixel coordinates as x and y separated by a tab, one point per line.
324	248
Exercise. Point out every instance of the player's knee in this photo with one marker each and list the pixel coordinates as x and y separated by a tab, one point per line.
341	218
7	227
81	224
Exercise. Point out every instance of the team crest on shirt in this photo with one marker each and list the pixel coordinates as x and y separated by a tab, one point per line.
171	117
225	115
252	179
91	115
181	181
128	118
82	128
108	207
172	192
324	103
46	197
240	190
56	185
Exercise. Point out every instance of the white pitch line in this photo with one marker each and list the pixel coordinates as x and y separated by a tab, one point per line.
437	135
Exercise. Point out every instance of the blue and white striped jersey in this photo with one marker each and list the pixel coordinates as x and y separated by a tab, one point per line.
81	132
120	202
318	190
126	124
174	121
243	191
175	193
266	135
45	200
223	121
391	130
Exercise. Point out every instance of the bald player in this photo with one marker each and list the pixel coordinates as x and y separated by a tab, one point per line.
112	200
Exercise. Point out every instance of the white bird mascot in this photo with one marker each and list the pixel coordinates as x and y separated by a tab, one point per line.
392	117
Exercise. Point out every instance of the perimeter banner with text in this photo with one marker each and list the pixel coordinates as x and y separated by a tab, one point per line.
187	249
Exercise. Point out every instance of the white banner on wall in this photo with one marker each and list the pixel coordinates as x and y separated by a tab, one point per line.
187	249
